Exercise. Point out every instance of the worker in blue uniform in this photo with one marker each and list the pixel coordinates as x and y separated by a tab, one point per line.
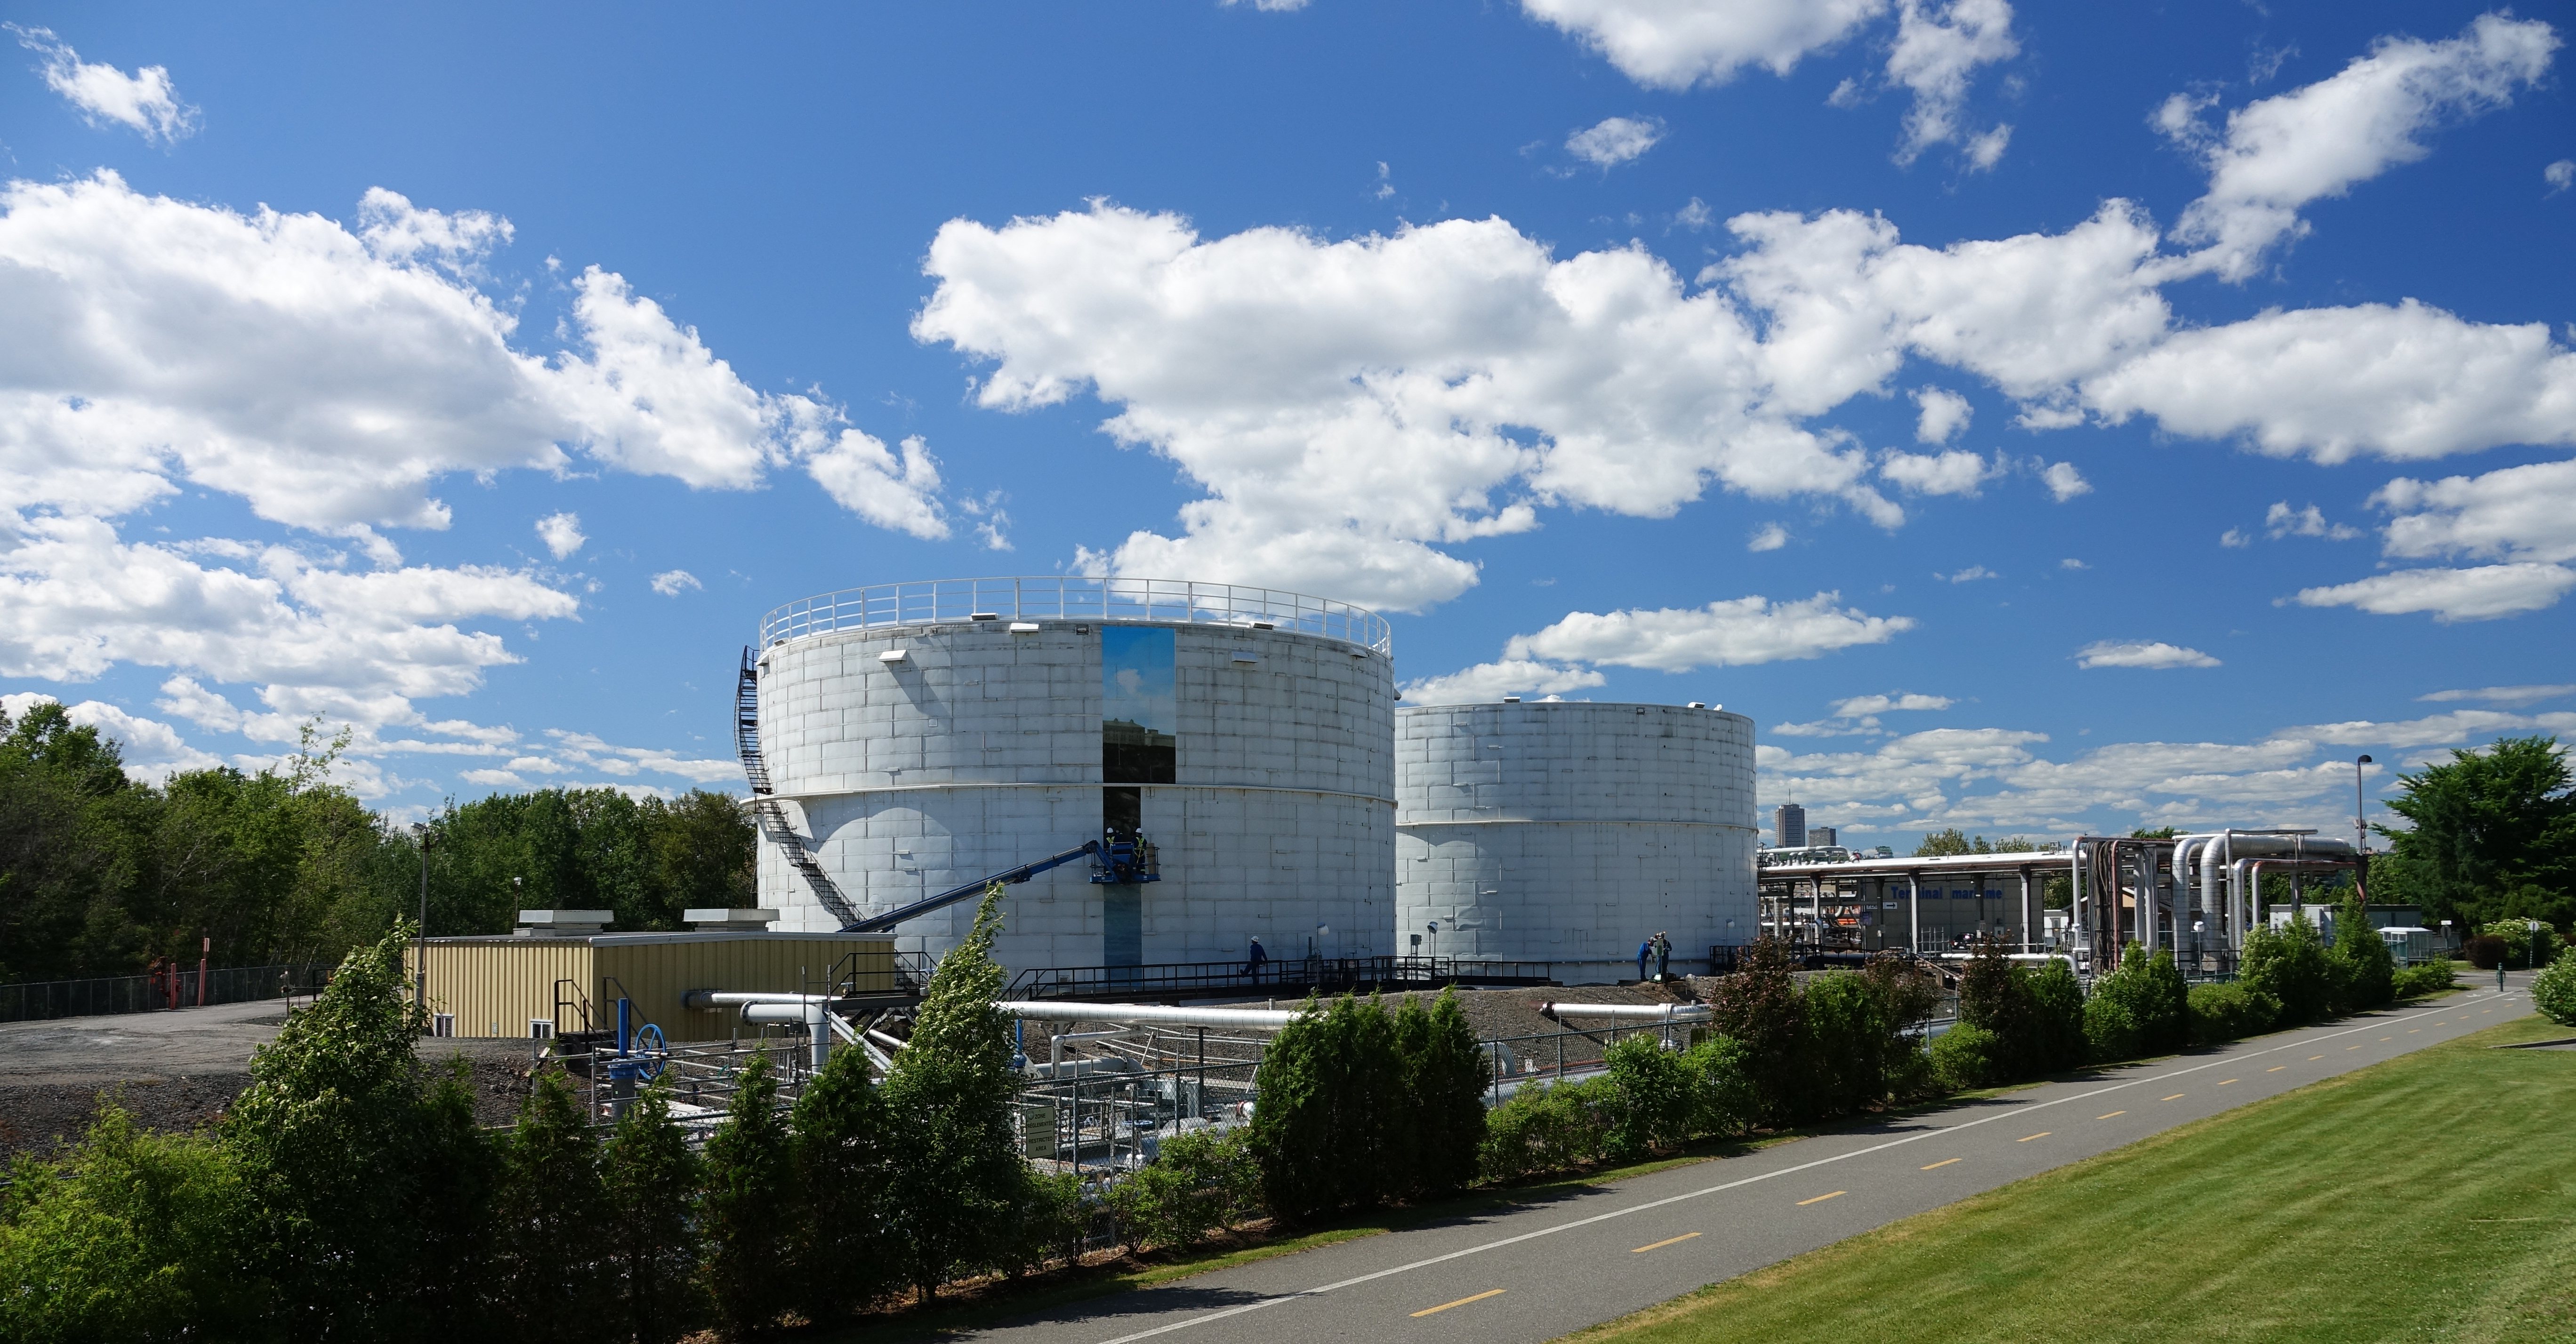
1644	950
1257	958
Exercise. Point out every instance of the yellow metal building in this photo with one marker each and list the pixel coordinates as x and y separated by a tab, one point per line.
526	986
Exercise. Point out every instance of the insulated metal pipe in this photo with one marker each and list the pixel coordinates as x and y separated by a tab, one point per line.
700	999
1645	1012
1149	1014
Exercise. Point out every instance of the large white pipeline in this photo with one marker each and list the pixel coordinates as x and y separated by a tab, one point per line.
1643	1012
1149	1014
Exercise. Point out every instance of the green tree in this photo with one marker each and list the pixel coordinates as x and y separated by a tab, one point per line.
2490	829
1760	1006
1993	998
748	1208
350	1157
2056	1017
651	1184
844	1156
1948	841
958	1174
2364	973
2141	1008
554	1221
1443	1091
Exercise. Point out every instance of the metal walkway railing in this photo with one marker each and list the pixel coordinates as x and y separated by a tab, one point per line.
1275	979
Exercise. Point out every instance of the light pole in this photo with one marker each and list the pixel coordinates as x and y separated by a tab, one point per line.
2360	833
420	935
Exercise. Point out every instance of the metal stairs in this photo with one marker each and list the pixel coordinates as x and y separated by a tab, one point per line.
766	809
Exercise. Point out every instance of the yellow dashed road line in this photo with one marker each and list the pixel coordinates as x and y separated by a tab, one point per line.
2276	1068
1822	1198
2040	1135
1659	1245
2175	1095
2106	1117
1433	1311
1942	1163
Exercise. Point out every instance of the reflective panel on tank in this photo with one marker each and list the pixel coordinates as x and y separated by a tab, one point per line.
1137	709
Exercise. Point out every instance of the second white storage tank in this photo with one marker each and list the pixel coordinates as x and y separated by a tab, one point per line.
1568	833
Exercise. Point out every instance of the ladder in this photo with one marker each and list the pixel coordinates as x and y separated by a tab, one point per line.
766	808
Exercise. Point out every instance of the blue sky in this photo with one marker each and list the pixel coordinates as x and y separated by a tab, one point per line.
2036	418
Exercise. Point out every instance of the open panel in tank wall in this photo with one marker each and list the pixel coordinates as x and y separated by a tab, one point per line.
1137	705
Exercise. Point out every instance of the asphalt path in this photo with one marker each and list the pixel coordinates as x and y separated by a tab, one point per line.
1531	1272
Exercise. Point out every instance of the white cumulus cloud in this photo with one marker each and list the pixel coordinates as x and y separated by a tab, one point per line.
152	750
1937	52
2283	521
2064	482
144	100
2280	153
1941	415
1768	537
1859	705
2516	696
2477	593
1675	44
1737	633
1955	472
1615	140
1492	681
561	532
2140	653
673	582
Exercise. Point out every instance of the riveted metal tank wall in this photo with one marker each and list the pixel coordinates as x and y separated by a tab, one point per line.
1569	833
1247	734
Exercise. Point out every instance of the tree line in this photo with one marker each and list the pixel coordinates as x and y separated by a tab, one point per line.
101	874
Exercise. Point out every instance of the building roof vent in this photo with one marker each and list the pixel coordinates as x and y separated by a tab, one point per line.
562	923
720	920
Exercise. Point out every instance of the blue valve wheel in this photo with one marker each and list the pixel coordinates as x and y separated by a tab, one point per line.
655	1048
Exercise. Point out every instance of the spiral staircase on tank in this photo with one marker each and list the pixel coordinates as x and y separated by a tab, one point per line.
766	809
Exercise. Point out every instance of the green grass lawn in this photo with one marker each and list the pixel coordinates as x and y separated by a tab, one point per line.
2428	1198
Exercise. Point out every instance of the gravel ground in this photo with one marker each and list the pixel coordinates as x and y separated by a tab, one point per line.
180	1070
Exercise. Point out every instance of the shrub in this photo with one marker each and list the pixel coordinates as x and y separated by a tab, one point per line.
2110	1031
1055	1213
134	1235
1760	1006
1331	1090
1723	1103
1194	1185
1847	1043
2486	951
2522	946
2553	991
1969	1056
2221	1013
1991	997
652	1180
2151	995
1651	1098
2290	964
2432	977
2365	975
1546	1127
748	1207
2057	1039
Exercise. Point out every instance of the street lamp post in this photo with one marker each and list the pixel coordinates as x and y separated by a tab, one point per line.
2360	833
420	947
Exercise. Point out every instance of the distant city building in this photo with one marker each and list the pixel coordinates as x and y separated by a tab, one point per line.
1822	835
1789	826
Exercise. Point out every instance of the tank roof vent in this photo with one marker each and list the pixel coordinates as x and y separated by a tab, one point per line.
983	616
1024	627
893	656
1696	704
1511	699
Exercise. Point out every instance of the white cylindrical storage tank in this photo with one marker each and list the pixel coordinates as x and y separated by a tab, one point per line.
925	735
1569	833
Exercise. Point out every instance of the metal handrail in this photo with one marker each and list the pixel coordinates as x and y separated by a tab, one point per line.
1293	976
1063	597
